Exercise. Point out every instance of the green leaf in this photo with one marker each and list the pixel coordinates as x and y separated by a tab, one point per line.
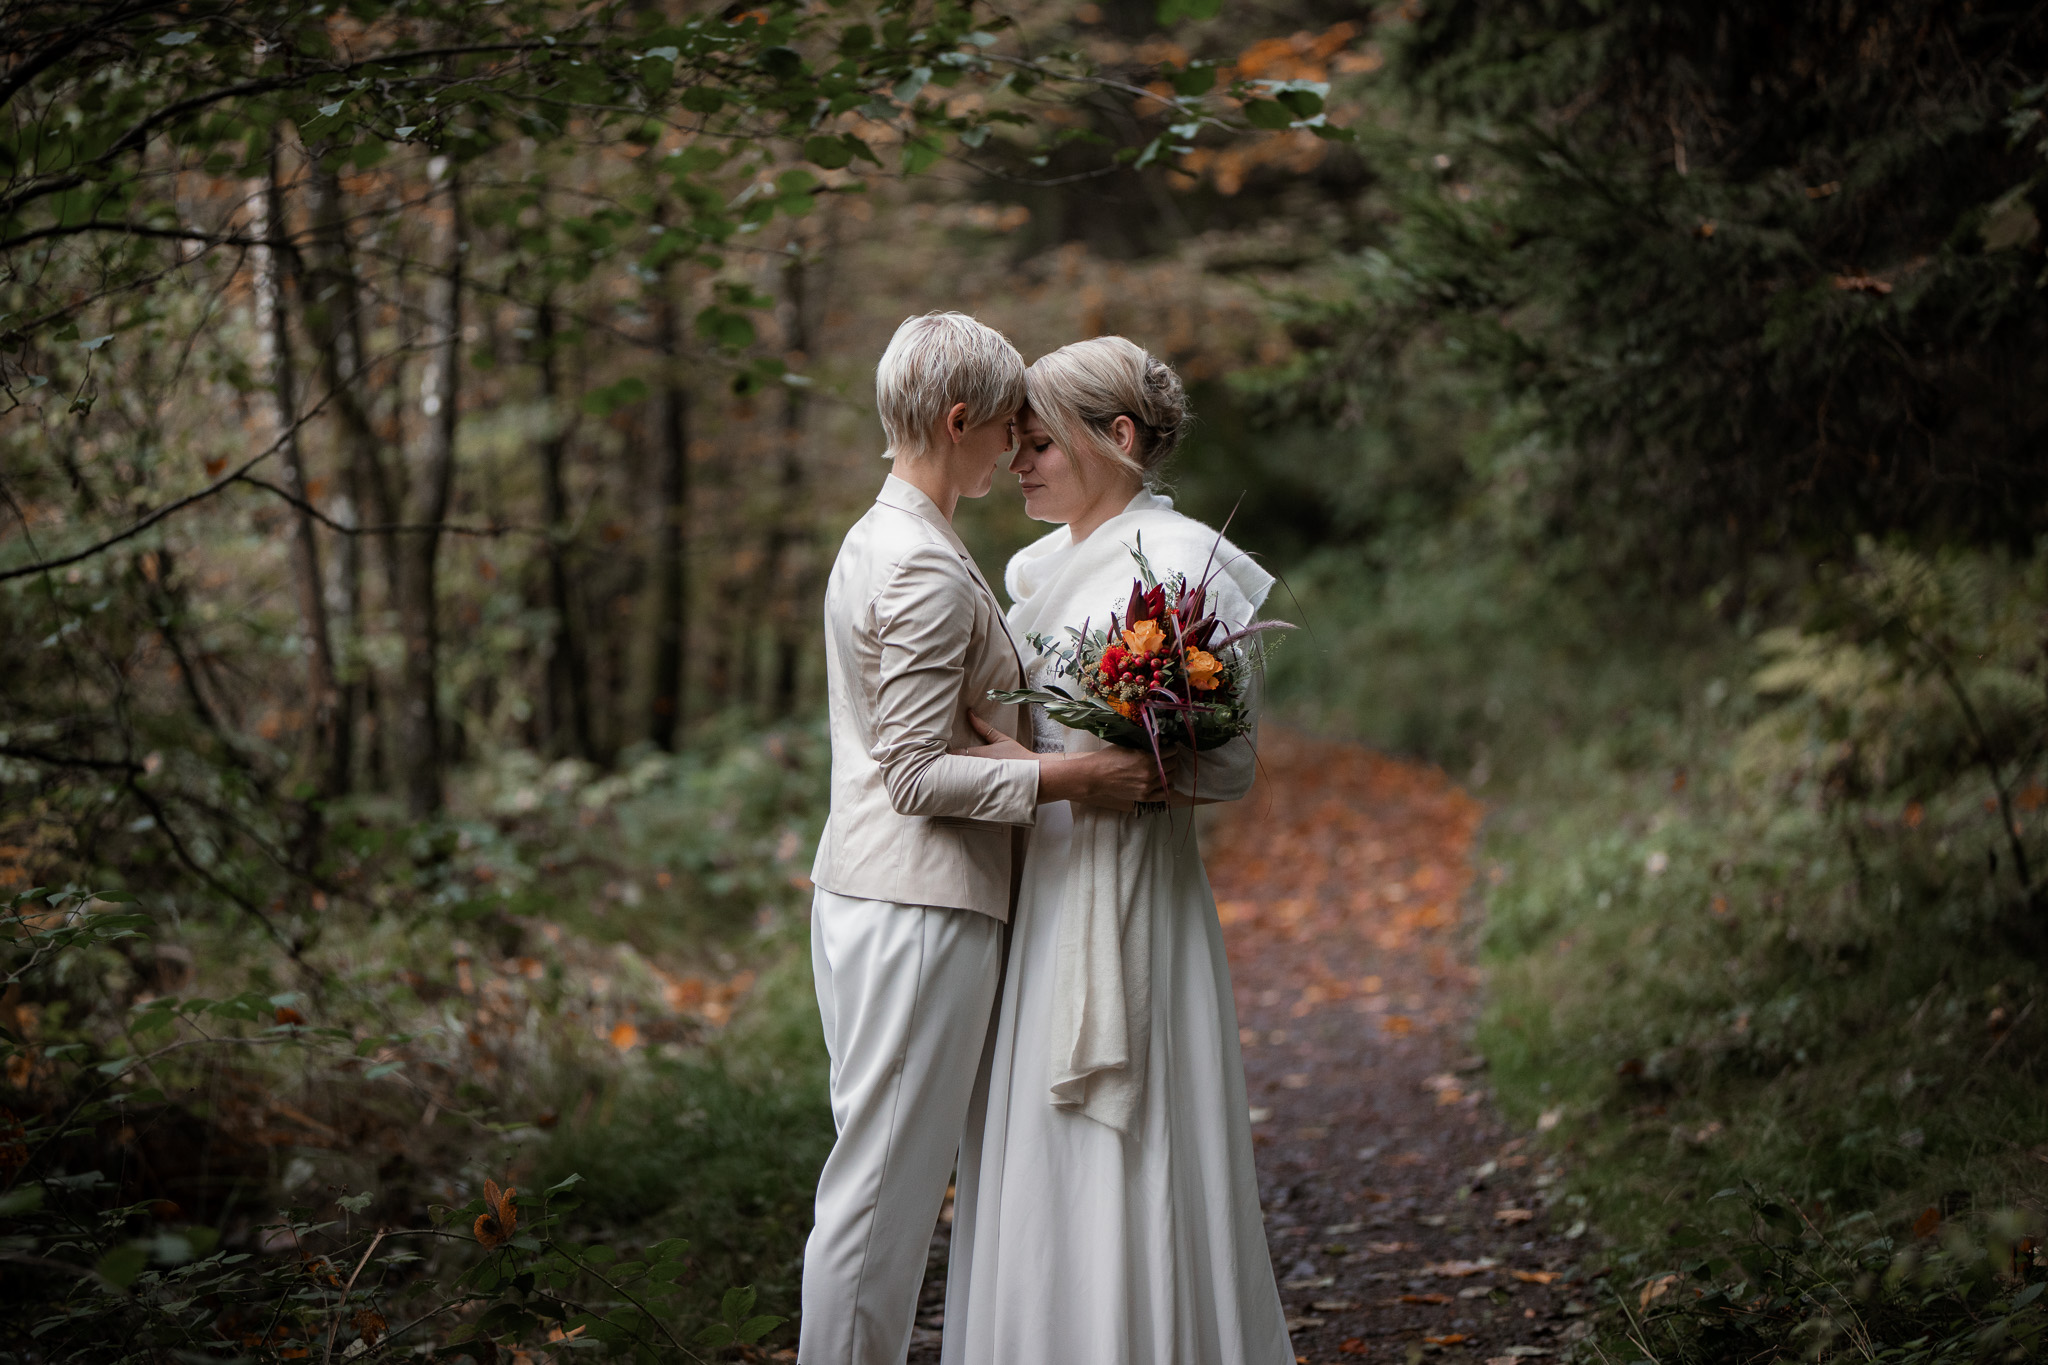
177	37
728	329
702	99
382	1069
1196	80
907	89
829	152
1304	103
737	1303
753	1329
1173	11
564	1183
609	399
120	1266
921	153
717	1336
21	1199
1267	114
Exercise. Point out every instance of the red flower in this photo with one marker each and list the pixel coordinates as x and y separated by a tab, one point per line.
1112	660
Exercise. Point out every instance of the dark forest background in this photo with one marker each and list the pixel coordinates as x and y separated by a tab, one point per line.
427	426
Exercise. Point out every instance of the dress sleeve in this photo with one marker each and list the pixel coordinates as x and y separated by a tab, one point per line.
924	622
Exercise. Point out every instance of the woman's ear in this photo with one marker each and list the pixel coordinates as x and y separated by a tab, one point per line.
956	422
1124	432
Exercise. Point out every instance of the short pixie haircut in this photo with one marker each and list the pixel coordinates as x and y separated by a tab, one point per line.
936	361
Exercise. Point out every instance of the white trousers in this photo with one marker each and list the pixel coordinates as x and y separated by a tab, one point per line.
906	993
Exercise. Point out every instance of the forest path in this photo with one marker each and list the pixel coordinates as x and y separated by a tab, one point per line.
1404	1220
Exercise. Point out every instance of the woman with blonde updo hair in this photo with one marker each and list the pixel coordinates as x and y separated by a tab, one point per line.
1107	1210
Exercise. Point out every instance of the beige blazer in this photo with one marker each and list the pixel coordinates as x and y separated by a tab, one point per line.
914	639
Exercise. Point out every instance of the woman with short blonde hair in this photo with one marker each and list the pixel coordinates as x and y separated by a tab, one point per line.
936	362
1107	1209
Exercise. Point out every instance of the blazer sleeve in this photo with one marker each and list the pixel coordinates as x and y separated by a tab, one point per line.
924	624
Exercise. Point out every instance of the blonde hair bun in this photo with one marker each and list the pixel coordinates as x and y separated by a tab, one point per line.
1081	389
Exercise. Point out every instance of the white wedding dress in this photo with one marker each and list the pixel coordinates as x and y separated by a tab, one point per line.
1075	1243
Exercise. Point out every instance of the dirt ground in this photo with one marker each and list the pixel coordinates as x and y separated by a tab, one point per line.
1406	1220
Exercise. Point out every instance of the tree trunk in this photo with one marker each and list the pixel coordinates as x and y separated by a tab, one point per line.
419	727
331	724
568	677
783	571
332	309
670	417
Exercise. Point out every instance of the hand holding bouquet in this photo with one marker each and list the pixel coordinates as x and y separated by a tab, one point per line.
1165	672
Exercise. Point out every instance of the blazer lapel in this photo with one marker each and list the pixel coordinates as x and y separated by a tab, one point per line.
906	497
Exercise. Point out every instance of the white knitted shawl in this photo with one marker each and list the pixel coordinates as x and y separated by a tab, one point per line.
1102	991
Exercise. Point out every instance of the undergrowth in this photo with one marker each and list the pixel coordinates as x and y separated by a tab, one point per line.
1763	921
219	1142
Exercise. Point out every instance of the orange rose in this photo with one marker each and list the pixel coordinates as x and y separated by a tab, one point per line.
1145	638
1203	671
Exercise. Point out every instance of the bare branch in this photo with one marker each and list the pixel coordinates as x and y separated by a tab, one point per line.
176	505
177	234
451	527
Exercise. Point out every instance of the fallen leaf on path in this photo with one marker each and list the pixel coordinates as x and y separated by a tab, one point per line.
1333	1305
1353	1346
1926	1223
1534	1276
1513	1216
1310	1282
1448	1339
1387	1248
1296	1080
1514	1353
1425	1298
1340	1229
1656	1289
1296	1324
1458	1270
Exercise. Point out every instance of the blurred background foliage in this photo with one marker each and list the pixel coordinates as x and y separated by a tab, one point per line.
428	427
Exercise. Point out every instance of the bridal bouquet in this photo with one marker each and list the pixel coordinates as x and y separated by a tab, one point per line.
1162	673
